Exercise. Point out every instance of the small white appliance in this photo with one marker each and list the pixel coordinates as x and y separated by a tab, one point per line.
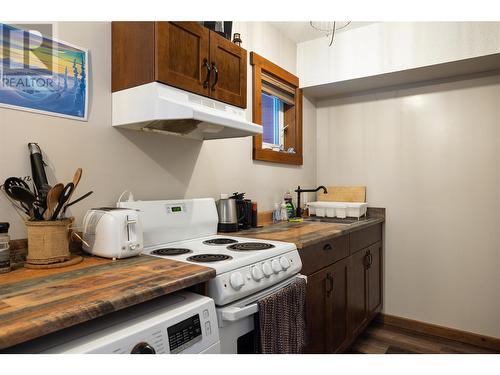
159	108
247	269
182	322
112	232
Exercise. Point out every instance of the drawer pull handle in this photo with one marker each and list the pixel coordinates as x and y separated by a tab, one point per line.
327	247
329	278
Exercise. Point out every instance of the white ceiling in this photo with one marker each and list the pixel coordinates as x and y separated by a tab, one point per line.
302	31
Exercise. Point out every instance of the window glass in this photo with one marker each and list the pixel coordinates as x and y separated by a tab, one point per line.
273	121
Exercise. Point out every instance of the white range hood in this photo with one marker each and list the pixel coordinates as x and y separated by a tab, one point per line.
156	107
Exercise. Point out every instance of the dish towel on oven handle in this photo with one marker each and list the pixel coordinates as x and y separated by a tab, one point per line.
280	323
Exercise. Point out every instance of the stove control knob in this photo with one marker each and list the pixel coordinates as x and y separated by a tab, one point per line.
276	266
267	269
257	273
143	348
285	263
236	280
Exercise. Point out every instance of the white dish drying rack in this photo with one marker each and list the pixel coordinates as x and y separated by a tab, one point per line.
337	209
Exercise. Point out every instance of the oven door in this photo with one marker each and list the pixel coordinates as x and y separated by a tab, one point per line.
236	321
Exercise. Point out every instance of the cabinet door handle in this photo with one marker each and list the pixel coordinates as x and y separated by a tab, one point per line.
329	279
207	78
214	68
327	247
368	259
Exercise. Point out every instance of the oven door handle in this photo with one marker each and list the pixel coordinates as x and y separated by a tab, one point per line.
232	314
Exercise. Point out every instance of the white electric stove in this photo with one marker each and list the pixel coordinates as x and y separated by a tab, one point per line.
186	230
246	269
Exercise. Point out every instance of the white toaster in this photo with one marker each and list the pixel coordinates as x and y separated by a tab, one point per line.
111	232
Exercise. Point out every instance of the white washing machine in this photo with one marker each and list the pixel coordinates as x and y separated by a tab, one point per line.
182	322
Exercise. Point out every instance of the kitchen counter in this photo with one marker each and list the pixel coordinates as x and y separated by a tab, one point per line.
34	303
310	231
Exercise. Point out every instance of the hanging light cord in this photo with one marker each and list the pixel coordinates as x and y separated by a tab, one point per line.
333	34
328	29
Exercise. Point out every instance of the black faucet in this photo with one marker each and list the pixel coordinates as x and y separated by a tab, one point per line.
299	190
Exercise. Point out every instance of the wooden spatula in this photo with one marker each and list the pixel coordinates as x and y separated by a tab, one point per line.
52	200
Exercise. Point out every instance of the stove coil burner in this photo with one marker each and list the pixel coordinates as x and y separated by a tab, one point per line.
171	251
206	258
250	246
219	241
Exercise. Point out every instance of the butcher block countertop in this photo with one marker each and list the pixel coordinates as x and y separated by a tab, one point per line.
309	231
34	303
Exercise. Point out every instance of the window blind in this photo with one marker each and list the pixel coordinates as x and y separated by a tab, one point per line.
274	86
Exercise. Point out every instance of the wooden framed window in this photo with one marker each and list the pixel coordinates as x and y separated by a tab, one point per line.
277	106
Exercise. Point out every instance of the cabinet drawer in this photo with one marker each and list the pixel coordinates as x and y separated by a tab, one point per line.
324	253
365	237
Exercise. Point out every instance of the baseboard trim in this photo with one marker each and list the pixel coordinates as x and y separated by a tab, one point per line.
465	337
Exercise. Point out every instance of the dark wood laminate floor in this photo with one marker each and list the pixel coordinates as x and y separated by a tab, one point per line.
380	338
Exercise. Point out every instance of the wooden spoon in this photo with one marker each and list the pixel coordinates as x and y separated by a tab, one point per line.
76	179
52	200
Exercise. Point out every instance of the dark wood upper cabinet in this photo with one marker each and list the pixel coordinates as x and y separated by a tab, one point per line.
185	55
229	71
182	55
133	59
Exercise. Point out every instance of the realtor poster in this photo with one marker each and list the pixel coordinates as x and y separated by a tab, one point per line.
44	75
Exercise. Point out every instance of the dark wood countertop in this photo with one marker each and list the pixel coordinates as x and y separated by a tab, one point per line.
307	232
34	303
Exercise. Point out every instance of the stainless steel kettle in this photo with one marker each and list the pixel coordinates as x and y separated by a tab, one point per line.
228	215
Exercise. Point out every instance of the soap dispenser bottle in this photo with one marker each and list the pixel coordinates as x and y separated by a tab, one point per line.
290	209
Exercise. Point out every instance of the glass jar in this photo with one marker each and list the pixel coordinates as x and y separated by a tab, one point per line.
4	248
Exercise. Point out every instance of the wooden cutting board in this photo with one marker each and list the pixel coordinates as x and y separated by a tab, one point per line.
343	194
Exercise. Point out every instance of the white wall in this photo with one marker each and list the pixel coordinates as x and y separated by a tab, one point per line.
152	166
385	47
431	155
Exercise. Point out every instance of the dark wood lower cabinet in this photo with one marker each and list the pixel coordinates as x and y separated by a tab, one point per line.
318	311
327	308
339	331
342	297
375	278
357	299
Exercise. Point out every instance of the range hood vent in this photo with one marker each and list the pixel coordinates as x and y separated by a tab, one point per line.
159	108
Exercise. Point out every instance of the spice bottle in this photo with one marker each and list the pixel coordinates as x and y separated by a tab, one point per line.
284	213
254	214
4	248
